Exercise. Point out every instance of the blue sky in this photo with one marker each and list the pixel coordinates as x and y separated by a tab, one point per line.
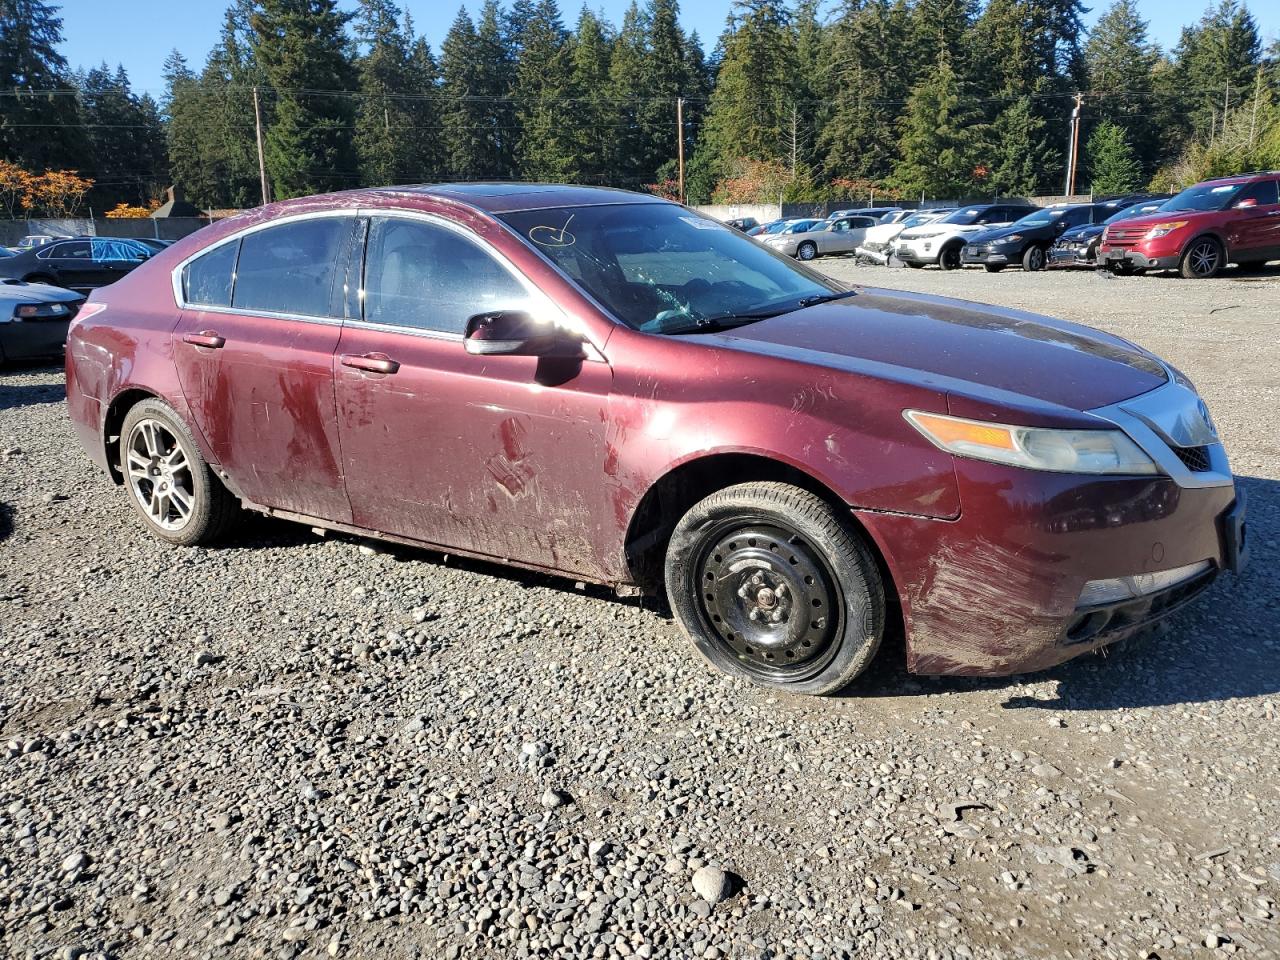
140	33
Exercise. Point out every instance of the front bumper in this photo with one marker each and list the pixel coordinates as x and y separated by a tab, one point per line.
29	339
1135	259
997	591
1071	256
916	251
988	255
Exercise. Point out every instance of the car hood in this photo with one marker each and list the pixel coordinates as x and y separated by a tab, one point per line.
960	347
994	234
1084	232
19	291
939	228
883	232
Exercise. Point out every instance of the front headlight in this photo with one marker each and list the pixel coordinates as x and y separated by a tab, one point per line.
32	311
1035	448
1164	229
924	236
1013	238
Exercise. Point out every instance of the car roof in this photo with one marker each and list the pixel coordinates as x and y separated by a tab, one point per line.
507	197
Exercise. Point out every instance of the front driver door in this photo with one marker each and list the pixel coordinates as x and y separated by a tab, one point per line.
1255	233
254	353
501	456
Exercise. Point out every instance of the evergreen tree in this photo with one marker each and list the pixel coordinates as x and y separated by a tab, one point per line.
627	89
937	144
1111	162
226	139
663	79
125	156
1215	62
542	87
497	69
38	113
424	114
1120	62
940	27
866	43
590	121
1017	152
748	111
301	47
390	127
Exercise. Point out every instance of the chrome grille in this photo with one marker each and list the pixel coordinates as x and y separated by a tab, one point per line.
1195	459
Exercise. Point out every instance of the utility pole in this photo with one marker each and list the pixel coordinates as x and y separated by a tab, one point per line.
680	142
262	163
1074	149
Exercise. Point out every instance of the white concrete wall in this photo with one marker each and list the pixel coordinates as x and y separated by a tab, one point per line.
764	212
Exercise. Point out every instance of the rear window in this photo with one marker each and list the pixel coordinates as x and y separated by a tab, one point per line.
290	268
207	279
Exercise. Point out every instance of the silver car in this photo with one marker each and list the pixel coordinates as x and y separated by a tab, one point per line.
34	318
842	235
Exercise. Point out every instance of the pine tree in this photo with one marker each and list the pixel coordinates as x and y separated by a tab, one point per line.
1215	61
748	111
126	155
1111	161
627	90
497	69
937	144
38	121
227	139
301	47
1016	153
590	122
663	80
541	90
390	127
424	113
1120	61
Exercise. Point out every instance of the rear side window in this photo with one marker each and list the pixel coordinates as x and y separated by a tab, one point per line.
71	250
290	268
427	277
1262	193
207	279
116	251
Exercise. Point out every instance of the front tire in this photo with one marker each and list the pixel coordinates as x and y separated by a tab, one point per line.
1033	259
1203	259
772	586
993	267
949	258
807	250
170	485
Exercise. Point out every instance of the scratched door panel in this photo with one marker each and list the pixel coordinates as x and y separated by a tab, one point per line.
264	401
500	455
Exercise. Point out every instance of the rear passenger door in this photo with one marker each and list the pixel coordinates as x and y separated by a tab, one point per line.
69	263
1255	233
254	351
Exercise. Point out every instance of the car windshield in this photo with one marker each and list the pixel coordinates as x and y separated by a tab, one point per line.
776	227
1137	210
663	269
964	215
802	226
1204	196
916	219
1040	218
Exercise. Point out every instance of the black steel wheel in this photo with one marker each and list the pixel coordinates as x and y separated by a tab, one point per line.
1204	258
772	586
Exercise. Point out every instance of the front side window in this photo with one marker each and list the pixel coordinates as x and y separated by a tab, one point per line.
661	268
207	279
290	268
425	276
1262	194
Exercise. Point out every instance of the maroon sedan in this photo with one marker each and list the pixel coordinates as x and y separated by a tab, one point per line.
614	388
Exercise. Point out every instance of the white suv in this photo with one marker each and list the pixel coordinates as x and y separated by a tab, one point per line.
878	243
940	242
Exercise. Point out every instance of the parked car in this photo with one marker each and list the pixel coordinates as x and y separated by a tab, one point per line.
153	244
743	223
940	242
822	238
1078	246
784	228
877	245
875	212
1026	242
81	263
769	227
1202	229
610	387
34	319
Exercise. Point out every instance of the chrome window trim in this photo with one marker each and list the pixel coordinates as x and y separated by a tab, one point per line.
1156	422
175	275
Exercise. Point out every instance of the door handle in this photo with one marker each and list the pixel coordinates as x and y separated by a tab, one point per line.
372	362
205	338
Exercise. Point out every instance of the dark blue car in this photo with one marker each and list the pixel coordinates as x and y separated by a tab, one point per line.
1078	247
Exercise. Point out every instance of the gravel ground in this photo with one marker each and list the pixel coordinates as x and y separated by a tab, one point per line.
295	746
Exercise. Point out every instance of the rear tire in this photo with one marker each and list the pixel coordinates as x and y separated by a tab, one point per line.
913	265
170	485
773	586
1204	258
1033	259
993	267
949	258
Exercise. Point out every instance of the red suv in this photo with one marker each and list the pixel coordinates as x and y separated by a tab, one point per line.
1202	229
614	388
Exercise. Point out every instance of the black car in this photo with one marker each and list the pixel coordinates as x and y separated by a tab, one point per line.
1026	242
34	319
79	263
1078	246
743	223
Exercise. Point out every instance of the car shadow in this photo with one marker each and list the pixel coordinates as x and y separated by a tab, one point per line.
6	521
1223	646
13	395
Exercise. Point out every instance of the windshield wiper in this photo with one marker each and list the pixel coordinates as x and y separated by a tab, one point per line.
824	298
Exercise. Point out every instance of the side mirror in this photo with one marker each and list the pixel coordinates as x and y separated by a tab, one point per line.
516	333
1246	203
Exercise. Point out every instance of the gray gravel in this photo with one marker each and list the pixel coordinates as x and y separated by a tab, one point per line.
292	747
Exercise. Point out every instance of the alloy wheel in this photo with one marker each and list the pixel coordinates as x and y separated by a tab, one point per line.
1203	258
770	599
807	251
159	474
